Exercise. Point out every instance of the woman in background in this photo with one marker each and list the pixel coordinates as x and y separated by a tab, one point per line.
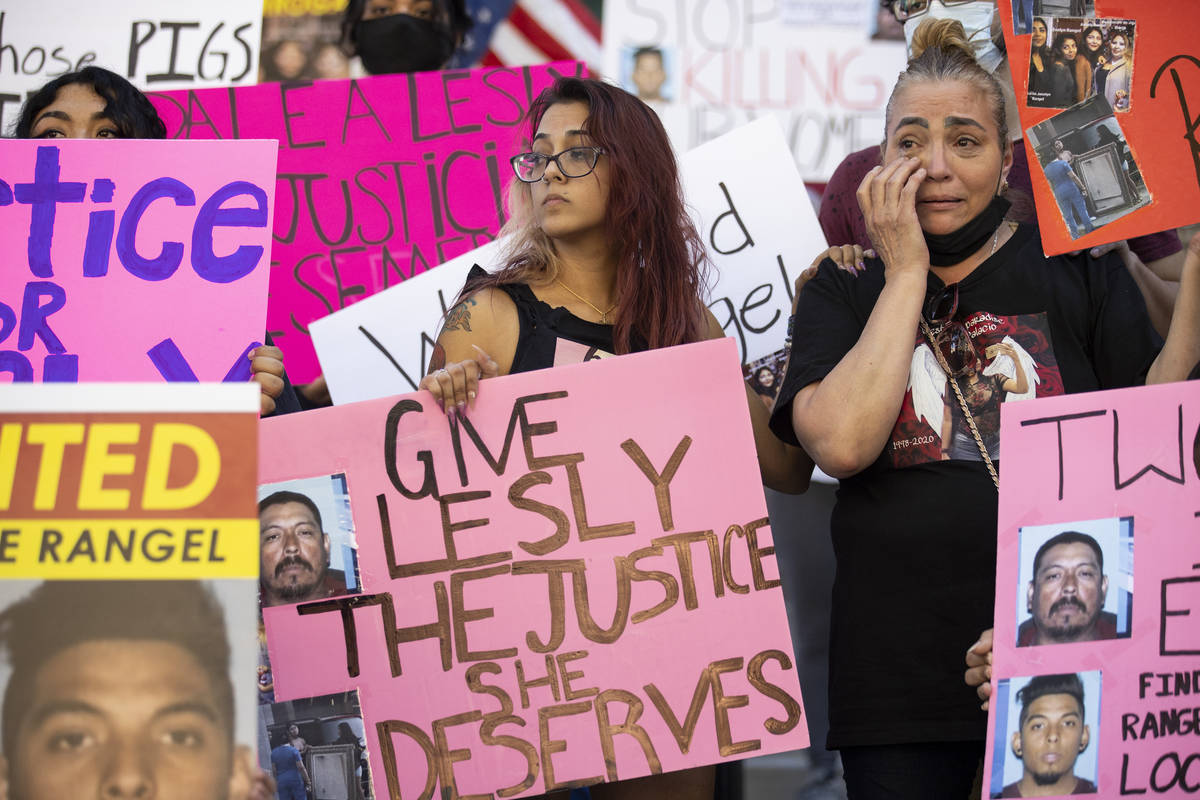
1116	76
1066	48
393	36
1049	80
1093	46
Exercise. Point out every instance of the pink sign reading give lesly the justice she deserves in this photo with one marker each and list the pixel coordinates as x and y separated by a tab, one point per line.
133	260
380	178
575	584
1098	596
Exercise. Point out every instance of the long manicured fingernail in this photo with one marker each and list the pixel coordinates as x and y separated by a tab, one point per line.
861	265
450	415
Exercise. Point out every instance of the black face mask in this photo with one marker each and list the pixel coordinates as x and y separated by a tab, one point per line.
402	43
948	249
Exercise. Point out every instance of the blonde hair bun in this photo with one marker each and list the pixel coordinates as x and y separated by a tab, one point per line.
946	35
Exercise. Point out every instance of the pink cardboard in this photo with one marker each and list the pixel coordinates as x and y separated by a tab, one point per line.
1121	467
150	263
703	628
379	178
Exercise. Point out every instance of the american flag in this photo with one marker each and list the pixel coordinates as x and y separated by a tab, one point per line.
514	33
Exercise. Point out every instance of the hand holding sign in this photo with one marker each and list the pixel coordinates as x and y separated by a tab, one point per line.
456	385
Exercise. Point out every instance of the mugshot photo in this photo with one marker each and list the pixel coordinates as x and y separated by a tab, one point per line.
307	546
1090	168
316	747
649	72
1075	582
146	667
1047	735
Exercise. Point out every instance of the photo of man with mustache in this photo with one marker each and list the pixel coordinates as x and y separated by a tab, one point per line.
1066	594
294	552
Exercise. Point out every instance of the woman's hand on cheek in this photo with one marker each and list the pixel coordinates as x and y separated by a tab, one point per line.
888	199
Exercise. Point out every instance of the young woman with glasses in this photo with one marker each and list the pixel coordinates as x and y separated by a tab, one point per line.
960	309
603	259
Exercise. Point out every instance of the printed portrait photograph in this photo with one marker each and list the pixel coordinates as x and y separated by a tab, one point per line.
997	359
1090	168
307	546
127	688
316	747
298	47
1024	11
765	375
1075	582
1074	58
1047	735
649	72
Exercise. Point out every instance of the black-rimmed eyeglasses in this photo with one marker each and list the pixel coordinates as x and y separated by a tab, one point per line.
907	9
574	162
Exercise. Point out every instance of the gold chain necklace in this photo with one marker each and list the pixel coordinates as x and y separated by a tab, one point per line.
585	301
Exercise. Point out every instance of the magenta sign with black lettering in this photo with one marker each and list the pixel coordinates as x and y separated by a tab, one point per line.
379	179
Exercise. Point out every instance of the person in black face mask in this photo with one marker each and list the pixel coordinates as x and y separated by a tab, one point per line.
392	36
892	386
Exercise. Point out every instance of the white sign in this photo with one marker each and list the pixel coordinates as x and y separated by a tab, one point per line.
726	63
753	212
156	44
381	346
760	236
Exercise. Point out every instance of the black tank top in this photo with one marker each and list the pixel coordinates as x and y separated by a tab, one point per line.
551	337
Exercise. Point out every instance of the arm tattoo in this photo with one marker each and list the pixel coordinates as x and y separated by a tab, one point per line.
437	360
459	317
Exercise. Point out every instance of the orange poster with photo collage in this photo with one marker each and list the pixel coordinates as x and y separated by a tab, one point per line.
1139	155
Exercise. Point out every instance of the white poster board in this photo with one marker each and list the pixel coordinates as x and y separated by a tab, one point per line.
725	64
156	44
381	346
760	235
753	213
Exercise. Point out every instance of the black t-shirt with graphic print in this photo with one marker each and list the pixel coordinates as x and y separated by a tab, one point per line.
915	533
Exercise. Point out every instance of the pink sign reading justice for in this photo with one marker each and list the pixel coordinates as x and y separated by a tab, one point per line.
576	585
133	260
379	178
1115	471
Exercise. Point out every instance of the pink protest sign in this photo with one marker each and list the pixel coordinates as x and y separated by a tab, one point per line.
133	260
1097	649
576	584
379	178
